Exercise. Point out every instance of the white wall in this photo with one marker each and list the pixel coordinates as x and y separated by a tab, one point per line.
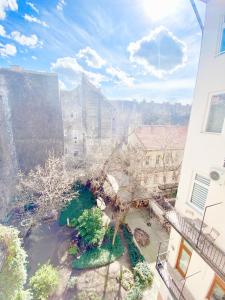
204	151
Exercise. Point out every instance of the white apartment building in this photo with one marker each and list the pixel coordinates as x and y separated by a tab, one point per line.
192	264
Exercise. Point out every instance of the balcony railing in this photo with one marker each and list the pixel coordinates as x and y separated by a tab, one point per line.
198	240
164	271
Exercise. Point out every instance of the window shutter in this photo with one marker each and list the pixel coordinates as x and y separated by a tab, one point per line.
200	191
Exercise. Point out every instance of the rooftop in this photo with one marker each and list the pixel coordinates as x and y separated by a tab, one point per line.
162	136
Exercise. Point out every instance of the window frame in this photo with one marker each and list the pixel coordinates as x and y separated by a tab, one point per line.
183	247
222	29
218	281
210	96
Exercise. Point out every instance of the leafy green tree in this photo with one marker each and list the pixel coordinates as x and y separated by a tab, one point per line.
90	226
13	274
44	282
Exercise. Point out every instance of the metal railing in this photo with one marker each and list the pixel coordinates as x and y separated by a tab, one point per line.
162	268
198	240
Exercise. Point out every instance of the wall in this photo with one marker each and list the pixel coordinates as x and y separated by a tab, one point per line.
30	124
203	151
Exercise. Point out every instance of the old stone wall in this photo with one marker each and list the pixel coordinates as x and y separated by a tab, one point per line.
31	125
36	116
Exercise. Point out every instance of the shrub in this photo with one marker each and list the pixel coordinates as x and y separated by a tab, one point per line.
90	226
13	273
23	295
44	282
135	293
73	250
143	275
101	256
126	279
133	251
72	282
87	295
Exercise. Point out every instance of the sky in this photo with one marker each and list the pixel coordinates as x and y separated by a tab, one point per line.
130	49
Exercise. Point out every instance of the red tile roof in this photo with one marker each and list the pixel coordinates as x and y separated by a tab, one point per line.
155	137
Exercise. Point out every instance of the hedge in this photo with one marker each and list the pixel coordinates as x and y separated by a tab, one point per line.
133	251
101	256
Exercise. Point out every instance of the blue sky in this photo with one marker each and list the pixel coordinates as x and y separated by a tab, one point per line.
131	49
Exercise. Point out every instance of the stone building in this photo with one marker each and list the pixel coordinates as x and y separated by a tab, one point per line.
163	148
30	123
89	121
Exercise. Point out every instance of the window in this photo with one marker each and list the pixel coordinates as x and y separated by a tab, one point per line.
222	45
174	176
157	159
184	258
167	158
217	290
155	178
200	191
216	114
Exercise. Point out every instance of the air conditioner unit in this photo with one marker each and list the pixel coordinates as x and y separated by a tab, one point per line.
217	175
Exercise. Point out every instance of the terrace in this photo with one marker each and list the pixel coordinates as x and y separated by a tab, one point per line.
203	243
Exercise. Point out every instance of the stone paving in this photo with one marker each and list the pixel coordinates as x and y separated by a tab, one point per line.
138	218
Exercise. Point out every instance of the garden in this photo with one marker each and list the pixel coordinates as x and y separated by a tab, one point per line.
79	256
92	244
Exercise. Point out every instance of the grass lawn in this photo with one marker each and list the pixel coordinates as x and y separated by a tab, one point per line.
103	255
85	200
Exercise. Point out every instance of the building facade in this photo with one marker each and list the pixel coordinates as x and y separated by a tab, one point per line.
31	123
162	147
192	265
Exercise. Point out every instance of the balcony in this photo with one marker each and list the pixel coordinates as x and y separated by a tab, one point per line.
201	242
172	279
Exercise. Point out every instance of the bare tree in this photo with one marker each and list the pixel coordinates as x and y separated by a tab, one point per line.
128	161
48	187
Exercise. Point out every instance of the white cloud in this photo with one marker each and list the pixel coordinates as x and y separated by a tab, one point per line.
32	6
60	5
29	41
121	76
70	68
33	19
91	57
95	78
159	53
69	63
7	5
3	32
7	50
34	57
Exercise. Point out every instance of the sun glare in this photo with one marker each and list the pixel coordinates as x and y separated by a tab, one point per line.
159	9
